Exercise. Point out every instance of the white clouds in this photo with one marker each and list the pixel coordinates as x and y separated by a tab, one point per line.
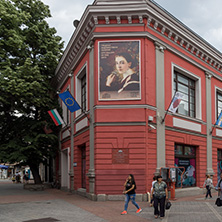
64	13
202	16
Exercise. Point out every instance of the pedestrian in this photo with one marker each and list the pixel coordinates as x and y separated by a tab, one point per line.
219	187
154	181
13	178
18	177
130	194
26	177
160	194
208	184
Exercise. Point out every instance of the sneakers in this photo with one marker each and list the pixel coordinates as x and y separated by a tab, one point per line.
124	212
139	210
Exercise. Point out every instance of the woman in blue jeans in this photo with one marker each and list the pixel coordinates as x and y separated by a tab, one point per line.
130	187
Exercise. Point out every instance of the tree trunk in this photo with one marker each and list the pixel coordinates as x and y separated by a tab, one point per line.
35	173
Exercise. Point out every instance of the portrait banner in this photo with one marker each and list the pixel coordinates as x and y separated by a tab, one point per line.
119	70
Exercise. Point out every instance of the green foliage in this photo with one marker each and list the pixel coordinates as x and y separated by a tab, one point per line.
29	54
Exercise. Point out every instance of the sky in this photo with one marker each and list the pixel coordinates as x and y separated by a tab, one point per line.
204	17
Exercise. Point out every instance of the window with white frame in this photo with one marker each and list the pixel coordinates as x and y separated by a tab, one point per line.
81	90
186	86
189	84
219	102
83	93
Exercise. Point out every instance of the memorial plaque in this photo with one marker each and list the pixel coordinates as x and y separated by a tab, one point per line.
120	156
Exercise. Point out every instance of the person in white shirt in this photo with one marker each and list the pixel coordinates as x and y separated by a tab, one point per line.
154	181
208	183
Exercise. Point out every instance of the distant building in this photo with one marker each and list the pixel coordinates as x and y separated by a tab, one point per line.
123	64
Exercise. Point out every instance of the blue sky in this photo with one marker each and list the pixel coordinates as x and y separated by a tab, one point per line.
202	16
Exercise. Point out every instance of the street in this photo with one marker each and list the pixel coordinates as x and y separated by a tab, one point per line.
51	205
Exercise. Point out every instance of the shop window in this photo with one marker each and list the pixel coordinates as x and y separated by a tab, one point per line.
185	160
186	86
219	163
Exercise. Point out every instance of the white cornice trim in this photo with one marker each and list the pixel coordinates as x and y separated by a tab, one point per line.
157	19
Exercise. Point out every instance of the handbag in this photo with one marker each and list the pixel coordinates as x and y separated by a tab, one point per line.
168	205
218	202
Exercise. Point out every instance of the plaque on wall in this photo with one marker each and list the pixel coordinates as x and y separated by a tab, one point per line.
120	156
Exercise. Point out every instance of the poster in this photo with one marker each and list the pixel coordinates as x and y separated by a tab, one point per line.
189	176
119	70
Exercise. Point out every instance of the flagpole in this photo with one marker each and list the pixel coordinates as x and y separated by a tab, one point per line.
215	123
80	108
168	108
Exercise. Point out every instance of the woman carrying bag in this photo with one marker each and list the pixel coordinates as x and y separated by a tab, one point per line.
160	195
219	188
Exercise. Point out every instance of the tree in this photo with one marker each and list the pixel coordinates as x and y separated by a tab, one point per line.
29	54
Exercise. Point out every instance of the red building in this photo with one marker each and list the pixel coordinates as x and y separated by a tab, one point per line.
123	64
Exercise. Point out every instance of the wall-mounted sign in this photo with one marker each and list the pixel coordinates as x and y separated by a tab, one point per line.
120	156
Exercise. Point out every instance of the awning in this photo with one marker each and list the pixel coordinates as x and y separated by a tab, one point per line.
3	167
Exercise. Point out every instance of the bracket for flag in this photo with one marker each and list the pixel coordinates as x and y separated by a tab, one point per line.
168	108
217	122
71	103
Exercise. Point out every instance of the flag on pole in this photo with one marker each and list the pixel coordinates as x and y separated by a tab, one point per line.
219	120
56	117
175	102
69	101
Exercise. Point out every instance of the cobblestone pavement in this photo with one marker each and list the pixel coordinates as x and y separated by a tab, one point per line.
51	205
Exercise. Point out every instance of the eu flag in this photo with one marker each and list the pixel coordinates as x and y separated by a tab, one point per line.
69	101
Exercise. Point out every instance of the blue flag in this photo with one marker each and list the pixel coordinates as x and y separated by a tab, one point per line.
219	120
69	101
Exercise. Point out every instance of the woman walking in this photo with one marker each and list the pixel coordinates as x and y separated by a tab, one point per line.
160	194
208	183
130	187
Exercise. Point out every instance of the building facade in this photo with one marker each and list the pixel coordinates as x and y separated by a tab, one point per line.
123	64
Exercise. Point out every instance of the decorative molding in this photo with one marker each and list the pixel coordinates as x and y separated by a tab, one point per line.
183	37
129	19
107	20
163	30
140	19
118	20
208	75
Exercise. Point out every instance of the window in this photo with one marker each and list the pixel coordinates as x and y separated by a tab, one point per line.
81	90
185	161
83	93
186	86
219	103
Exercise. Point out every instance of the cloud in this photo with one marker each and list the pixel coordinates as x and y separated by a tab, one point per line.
63	14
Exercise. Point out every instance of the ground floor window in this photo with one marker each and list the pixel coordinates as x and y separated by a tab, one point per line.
185	160
219	163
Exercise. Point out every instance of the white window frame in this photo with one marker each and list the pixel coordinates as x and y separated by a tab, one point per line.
198	103
217	89
78	78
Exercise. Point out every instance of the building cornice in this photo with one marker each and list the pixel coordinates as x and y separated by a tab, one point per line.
146	13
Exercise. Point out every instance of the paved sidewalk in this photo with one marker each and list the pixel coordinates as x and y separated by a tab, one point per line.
19	205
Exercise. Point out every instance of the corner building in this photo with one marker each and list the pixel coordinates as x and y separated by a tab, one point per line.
123	64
